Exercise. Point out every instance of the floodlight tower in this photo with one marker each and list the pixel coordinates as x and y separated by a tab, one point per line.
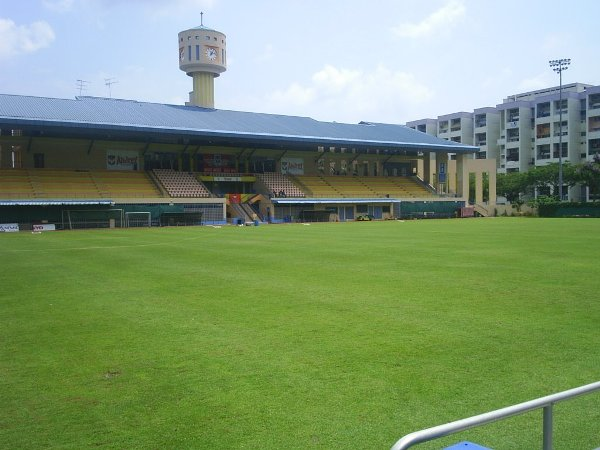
558	65
203	56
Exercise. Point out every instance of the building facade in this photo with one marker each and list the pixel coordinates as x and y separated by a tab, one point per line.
524	131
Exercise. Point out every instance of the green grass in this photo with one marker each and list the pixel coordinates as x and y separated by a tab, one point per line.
292	336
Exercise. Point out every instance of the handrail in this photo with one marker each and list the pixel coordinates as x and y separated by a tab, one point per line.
439	431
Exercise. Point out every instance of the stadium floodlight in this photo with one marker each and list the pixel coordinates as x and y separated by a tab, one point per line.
558	65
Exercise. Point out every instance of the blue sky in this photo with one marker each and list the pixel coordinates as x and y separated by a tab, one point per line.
339	60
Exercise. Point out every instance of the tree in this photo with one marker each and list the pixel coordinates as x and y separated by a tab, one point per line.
588	174
512	185
547	176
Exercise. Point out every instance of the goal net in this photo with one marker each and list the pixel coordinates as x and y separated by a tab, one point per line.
138	219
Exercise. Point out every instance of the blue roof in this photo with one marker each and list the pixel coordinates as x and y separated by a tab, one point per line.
97	113
65	202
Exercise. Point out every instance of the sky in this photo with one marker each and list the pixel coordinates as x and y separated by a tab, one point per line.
388	61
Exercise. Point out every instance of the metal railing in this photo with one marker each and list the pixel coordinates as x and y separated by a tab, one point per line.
546	403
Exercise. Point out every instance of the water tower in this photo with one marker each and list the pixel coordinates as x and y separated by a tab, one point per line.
203	56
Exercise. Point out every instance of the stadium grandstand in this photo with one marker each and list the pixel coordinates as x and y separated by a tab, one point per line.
103	162
98	159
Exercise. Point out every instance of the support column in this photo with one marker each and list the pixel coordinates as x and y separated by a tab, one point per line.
492	183
441	164
479	187
426	168
462	177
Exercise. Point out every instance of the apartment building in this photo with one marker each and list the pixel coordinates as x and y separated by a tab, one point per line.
524	131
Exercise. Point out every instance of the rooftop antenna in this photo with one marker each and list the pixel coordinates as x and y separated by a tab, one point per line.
82	85
109	82
201	18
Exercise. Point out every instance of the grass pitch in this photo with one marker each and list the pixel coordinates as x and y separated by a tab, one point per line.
322	336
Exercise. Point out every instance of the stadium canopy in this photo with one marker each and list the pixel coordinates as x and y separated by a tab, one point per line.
130	120
66	202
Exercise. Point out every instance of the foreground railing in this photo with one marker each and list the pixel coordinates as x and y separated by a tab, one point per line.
464	424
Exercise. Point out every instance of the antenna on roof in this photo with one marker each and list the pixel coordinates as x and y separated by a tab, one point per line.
82	85
201	18
109	82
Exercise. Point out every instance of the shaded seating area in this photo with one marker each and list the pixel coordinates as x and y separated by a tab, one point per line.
121	184
397	187
280	185
77	184
318	186
15	183
363	187
181	184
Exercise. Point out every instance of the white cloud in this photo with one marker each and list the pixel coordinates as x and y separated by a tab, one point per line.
352	95
17	39
58	5
450	14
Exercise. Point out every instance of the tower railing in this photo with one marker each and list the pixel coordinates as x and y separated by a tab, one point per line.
546	403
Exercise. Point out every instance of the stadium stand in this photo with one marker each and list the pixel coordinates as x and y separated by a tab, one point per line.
317	186
277	183
15	183
181	184
363	187
117	184
77	184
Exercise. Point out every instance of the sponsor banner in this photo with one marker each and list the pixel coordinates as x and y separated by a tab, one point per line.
122	160
44	227
227	178
293	166
9	227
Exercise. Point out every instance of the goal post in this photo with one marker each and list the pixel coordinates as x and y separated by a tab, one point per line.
73	219
138	219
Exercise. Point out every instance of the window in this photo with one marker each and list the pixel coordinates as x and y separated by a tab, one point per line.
513	135
455	125
189	52
197	52
513	155
565	150
557	128
543	131
480	120
543	151
543	109
480	139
